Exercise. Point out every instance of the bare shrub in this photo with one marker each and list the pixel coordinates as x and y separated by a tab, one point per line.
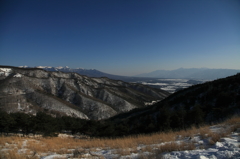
123	152
79	152
234	128
204	131
173	146
148	148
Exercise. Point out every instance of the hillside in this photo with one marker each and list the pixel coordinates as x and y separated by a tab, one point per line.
34	90
31	90
199	104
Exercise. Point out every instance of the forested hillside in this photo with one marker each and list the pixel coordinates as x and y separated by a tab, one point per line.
204	103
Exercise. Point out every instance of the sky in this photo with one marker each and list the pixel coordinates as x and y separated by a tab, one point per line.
121	37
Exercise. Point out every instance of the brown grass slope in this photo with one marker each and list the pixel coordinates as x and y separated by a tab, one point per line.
13	147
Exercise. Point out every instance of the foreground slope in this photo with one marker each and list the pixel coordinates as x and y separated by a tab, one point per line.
219	141
31	90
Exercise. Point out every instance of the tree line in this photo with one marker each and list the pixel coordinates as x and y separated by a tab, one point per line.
47	125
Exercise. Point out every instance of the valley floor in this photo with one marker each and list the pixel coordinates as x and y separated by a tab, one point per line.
207	142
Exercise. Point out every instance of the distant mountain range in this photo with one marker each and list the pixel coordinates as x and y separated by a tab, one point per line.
181	73
86	72
191	73
81	71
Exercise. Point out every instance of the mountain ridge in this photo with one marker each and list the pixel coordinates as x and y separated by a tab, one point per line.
81	71
191	73
33	89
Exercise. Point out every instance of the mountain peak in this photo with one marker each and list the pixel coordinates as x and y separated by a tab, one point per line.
23	66
42	67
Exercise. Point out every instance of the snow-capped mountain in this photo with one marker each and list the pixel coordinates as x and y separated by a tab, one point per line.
81	71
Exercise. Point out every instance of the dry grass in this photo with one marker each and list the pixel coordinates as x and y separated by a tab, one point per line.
124	146
173	146
230	125
9	140
156	152
12	154
204	132
232	121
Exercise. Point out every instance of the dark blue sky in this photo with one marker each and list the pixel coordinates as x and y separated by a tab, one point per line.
125	37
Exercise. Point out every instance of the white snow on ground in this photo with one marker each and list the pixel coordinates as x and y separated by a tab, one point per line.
54	156
151	103
170	89
5	71
18	75
179	80
170	85
157	84
225	148
182	84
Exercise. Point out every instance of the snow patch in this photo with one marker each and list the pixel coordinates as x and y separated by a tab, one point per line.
43	67
23	66
151	103
157	84
5	71
179	80
219	144
19	106
225	148
59	67
53	156
18	75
